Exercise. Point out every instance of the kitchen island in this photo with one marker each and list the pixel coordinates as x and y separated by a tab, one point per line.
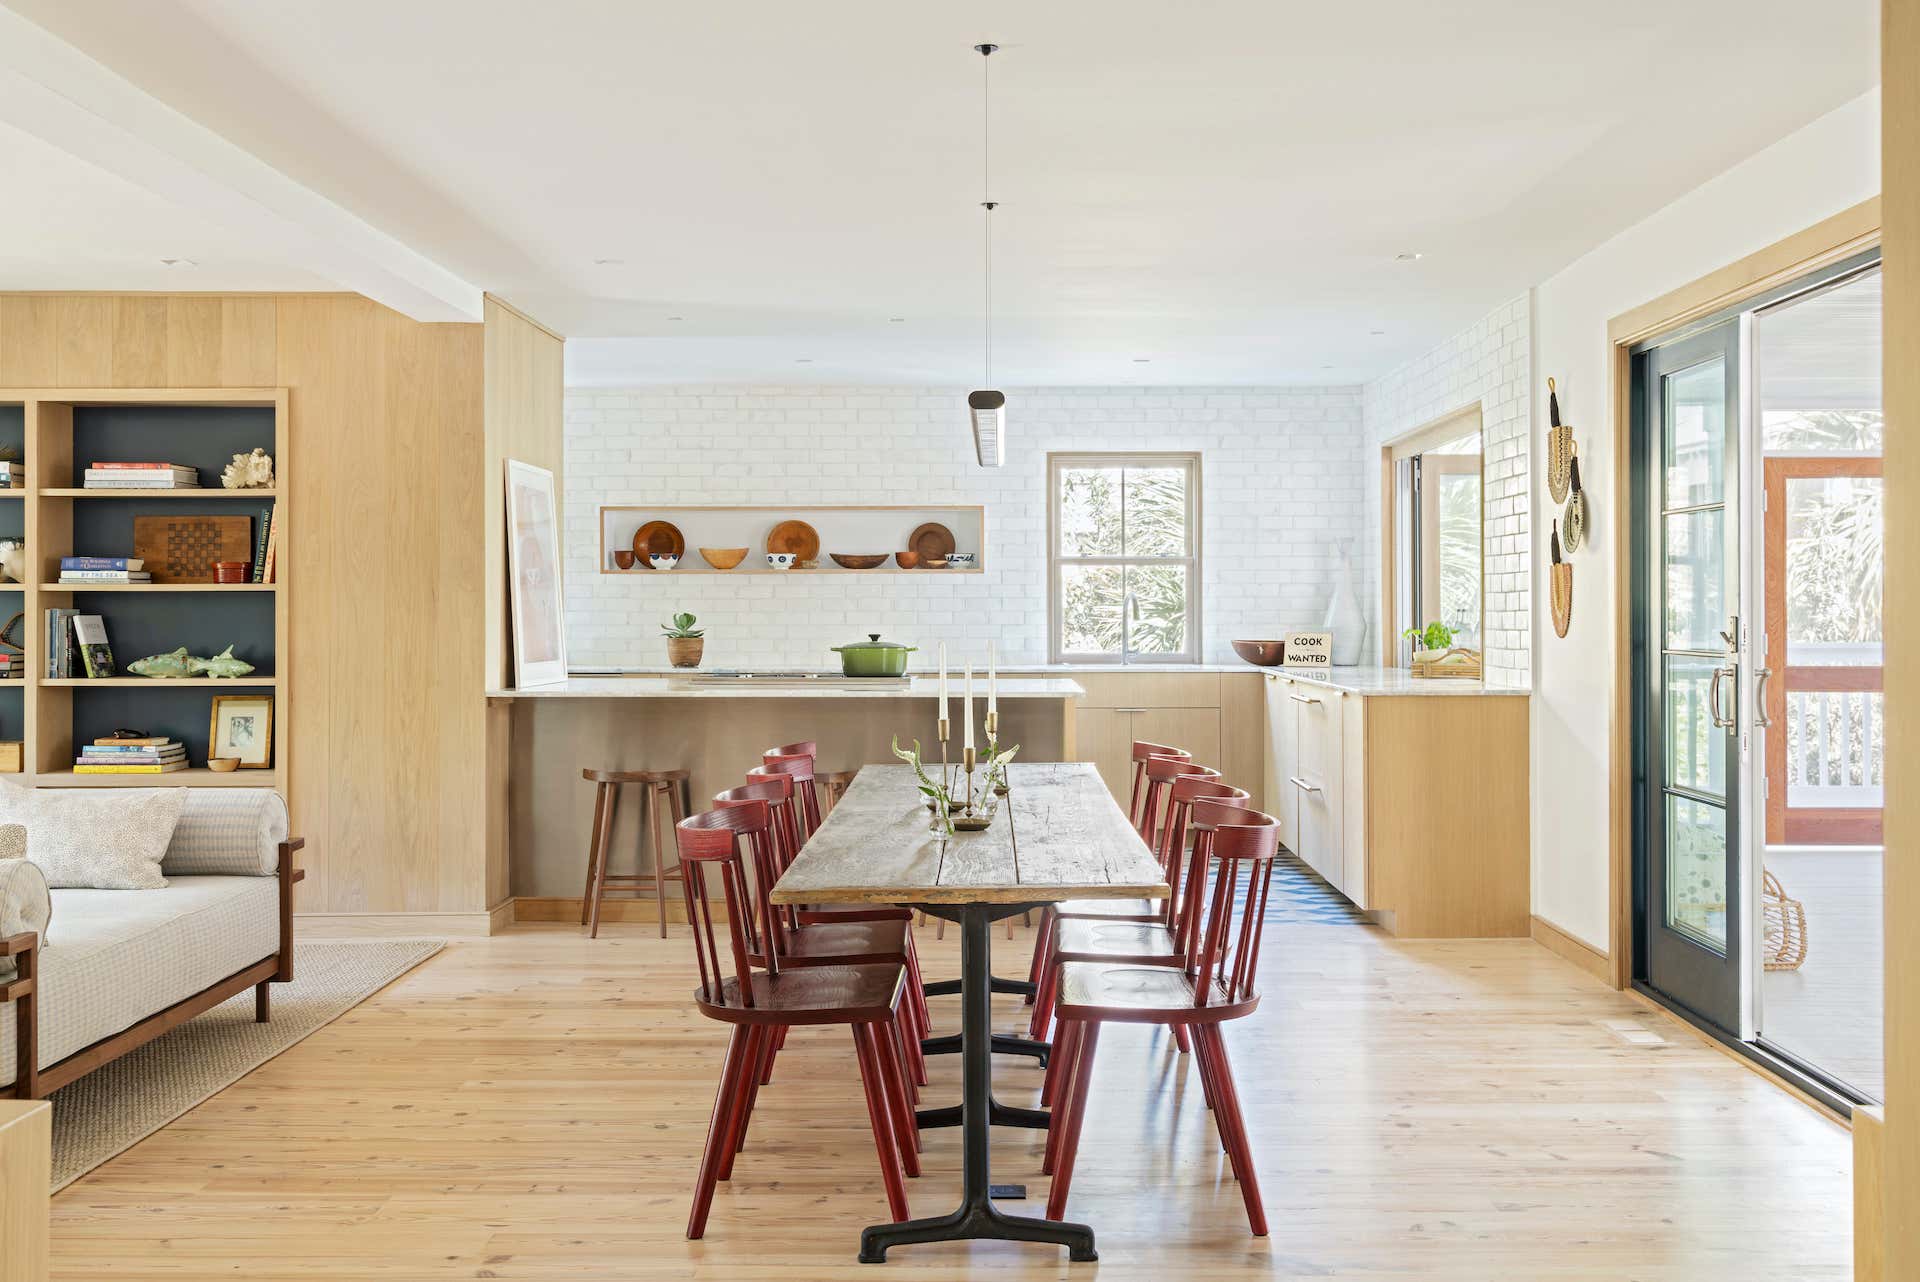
715	727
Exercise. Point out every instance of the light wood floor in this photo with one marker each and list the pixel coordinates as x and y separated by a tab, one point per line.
531	1107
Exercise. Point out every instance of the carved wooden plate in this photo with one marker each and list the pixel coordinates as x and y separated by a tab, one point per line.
933	541
796	537
657	538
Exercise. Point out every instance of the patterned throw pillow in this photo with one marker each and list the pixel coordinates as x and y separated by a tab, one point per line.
25	904
95	840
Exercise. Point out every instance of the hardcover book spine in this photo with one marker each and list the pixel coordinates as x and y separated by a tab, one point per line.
260	528
121	563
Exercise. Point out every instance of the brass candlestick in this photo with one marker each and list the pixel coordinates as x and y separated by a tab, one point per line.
968	820
946	779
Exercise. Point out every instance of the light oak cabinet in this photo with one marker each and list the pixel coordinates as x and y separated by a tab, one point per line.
1214	715
1412	806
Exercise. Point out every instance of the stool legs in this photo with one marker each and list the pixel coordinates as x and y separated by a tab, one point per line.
660	870
593	847
604	844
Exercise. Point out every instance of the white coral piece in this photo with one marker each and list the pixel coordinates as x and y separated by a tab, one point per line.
249	471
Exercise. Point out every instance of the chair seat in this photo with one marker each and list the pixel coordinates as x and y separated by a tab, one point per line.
810	995
1124	909
1092	937
634	776
849	942
1143	995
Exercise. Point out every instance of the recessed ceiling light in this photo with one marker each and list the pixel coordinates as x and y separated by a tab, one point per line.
1407	257
897	320
609	262
676	318
178	262
1143	360
1377	333
804	360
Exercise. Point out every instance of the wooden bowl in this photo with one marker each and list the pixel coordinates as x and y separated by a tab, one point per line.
933	562
906	560
1265	654
723	558
849	561
221	765
623	558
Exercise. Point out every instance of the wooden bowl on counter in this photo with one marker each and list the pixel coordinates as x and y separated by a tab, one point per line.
906	560
723	558
1265	654
850	561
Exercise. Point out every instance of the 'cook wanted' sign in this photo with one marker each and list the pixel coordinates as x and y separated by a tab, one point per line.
1308	651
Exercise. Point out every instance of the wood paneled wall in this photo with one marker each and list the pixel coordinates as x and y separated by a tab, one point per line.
1900	176
387	645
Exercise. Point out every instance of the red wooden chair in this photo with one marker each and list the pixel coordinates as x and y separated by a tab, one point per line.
1217	987
761	1005
1141	751
1152	939
808	792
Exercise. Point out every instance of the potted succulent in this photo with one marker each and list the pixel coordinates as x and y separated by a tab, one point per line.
684	644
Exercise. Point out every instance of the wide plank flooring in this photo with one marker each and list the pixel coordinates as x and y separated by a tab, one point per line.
531	1107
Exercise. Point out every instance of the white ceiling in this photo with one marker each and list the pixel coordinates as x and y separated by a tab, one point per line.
1218	188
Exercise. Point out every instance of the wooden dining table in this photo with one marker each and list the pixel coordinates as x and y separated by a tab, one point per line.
1059	835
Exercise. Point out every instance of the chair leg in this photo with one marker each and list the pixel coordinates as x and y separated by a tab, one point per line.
606	853
1042	945
906	1129
593	846
1237	1143
1181	1039
659	853
873	1078
719	1127
904	1036
748	1091
1043	1000
1076	1106
1053	1095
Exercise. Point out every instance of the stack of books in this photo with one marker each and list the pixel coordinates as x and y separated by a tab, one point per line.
104	569
140	476
155	755
12	475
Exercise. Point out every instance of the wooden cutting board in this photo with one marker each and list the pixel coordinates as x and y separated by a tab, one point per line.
182	549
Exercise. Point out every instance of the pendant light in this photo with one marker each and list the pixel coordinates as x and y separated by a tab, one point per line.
986	407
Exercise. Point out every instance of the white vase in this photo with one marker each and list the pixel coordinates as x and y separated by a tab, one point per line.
1344	617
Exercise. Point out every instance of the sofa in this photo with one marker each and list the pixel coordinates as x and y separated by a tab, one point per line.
115	969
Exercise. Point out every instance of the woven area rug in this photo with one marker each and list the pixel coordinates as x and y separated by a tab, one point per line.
116	1106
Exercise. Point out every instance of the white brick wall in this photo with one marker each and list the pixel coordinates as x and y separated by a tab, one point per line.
1487	364
1282	479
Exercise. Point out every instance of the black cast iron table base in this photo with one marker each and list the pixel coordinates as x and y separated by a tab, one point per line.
976	1216
1003	1044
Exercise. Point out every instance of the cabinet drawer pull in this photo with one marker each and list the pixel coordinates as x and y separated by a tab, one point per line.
1301	698
1129	709
1298	782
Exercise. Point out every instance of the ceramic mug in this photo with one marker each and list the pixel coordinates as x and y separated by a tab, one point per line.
960	560
662	560
779	560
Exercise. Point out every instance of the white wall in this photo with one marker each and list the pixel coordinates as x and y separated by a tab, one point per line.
1282	481
1810	175
1486	365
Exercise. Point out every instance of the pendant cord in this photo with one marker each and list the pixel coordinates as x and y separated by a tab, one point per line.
986	198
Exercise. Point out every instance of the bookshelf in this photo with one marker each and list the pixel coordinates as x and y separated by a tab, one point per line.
58	432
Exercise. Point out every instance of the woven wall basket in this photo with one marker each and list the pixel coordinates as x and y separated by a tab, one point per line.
1561	582
1559	448
1575	517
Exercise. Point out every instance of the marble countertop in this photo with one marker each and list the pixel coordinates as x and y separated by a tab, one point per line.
1394	681
679	687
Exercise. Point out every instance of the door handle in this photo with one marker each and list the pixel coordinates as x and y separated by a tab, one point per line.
1298	782
1761	678
1129	709
1301	698
1713	699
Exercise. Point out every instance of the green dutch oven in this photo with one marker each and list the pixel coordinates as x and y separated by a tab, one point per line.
873	657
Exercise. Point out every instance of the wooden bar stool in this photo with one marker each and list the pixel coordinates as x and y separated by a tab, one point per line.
656	787
834	784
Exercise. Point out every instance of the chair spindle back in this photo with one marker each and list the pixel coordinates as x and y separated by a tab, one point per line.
712	839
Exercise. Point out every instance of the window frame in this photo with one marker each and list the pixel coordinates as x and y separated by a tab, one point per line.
1062	462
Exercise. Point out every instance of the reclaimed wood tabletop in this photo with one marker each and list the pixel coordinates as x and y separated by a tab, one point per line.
1065	838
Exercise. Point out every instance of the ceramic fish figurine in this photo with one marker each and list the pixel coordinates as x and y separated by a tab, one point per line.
177	664
220	665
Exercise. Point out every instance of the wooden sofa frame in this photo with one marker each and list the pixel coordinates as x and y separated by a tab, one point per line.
33	1082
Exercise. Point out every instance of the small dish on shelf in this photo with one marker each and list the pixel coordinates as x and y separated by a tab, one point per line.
658	538
662	560
624	558
779	560
797	537
933	562
961	560
222	765
933	541
906	560
723	558
856	561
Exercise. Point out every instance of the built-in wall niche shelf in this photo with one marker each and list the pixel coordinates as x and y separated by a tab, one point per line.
205	492
158	587
850	530
192	777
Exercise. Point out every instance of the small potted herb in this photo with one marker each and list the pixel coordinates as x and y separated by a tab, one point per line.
684	644
1431	641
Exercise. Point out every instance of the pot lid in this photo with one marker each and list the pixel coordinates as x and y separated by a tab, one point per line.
873	642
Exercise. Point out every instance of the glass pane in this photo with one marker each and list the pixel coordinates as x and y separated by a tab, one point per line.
1460	555
1697	871
1156	511
1158	621
1696	748
1696	605
1090	601
1816	365
1834	561
1696	436
1090	511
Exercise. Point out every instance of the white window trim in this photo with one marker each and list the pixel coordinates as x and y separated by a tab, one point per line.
1056	463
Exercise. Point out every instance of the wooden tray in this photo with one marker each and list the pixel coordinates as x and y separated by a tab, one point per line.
182	549
796	537
659	538
933	541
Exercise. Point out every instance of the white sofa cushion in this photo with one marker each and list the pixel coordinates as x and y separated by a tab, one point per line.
232	832
97	839
25	902
114	957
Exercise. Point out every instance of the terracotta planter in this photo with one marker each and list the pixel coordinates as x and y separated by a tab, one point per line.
684	652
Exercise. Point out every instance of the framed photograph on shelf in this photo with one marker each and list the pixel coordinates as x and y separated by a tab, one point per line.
242	727
533	577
